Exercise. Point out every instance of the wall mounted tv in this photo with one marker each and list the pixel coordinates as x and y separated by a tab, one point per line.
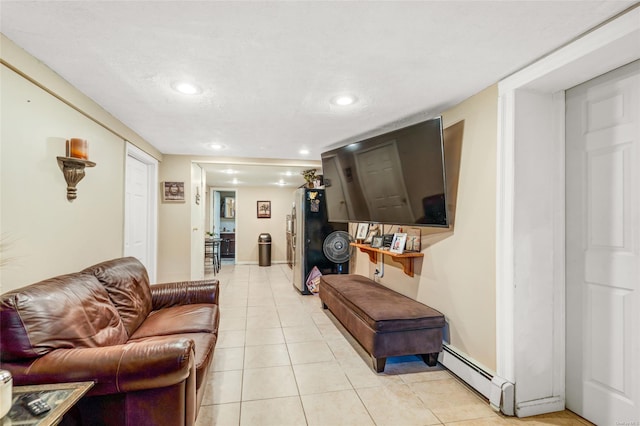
394	178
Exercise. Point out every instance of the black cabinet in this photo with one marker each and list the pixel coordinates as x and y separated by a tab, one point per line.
228	245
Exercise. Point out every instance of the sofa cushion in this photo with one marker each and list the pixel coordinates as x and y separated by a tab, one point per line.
69	311
196	318
383	309
204	344
127	283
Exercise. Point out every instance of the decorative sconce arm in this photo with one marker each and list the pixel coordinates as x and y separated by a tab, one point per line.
73	170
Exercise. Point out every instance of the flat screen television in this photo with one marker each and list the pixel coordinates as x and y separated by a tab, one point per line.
393	178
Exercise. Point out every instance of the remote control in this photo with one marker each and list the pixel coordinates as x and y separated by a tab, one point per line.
35	405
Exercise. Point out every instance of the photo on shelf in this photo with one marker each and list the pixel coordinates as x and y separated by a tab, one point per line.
376	242
413	239
398	243
361	233
374	229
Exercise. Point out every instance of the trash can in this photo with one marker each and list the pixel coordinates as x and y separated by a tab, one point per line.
264	249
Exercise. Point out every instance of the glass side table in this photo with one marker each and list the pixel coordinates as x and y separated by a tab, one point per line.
60	397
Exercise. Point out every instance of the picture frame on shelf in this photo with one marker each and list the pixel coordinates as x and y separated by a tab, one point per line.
264	209
398	242
173	192
376	242
414	240
363	229
374	229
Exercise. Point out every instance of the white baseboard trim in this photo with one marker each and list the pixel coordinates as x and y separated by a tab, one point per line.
472	374
539	406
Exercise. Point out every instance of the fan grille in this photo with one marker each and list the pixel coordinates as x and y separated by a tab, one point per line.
336	246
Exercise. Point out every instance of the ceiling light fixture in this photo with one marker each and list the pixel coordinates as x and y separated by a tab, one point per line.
186	88
344	100
217	146
304	151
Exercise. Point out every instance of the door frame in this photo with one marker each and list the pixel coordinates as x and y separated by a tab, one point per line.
197	208
152	239
235	190
530	252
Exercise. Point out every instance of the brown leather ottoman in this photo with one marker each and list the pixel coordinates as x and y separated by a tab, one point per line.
384	322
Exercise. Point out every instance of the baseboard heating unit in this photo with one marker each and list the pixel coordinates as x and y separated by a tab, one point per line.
498	391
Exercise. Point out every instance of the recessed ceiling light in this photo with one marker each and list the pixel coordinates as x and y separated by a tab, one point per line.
344	100
234	181
186	88
304	151
229	171
217	146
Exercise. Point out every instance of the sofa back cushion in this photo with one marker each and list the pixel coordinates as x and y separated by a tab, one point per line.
69	311
127	283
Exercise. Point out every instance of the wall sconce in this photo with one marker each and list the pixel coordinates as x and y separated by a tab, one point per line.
73	165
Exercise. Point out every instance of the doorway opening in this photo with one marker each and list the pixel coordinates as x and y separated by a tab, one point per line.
223	222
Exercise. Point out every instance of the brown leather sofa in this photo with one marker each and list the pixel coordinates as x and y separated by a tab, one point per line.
147	348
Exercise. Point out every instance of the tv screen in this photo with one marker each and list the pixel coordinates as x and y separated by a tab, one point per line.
394	178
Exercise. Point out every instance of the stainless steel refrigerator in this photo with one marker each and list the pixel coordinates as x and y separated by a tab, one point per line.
310	228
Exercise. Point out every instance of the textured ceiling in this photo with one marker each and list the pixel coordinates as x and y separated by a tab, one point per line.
269	69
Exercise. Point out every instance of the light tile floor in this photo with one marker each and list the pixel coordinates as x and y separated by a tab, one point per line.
282	360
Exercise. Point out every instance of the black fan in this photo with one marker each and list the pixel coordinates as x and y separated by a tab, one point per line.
337	249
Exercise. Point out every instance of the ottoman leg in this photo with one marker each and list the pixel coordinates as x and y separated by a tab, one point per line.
378	364
430	359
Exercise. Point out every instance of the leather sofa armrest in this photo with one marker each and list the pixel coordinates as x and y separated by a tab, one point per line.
184	293
147	364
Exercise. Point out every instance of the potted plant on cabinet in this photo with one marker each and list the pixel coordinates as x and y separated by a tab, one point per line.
309	177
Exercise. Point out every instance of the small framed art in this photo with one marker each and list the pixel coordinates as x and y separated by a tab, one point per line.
363	229
376	242
374	229
264	209
398	242
173	192
413	239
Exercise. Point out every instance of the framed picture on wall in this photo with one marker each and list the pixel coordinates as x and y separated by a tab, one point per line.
264	209
173	192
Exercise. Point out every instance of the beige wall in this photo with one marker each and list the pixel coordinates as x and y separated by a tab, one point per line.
249	226
457	274
43	234
174	223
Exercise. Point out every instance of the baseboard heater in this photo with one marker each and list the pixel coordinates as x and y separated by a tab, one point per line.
498	391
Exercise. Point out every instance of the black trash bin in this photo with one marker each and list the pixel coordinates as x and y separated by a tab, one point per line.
264	249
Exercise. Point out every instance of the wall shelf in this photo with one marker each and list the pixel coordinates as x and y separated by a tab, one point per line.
73	170
405	259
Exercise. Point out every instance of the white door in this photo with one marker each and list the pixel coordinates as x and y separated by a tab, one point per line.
382	182
140	210
337	204
603	248
197	222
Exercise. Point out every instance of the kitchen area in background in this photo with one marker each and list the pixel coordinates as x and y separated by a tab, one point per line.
223	222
